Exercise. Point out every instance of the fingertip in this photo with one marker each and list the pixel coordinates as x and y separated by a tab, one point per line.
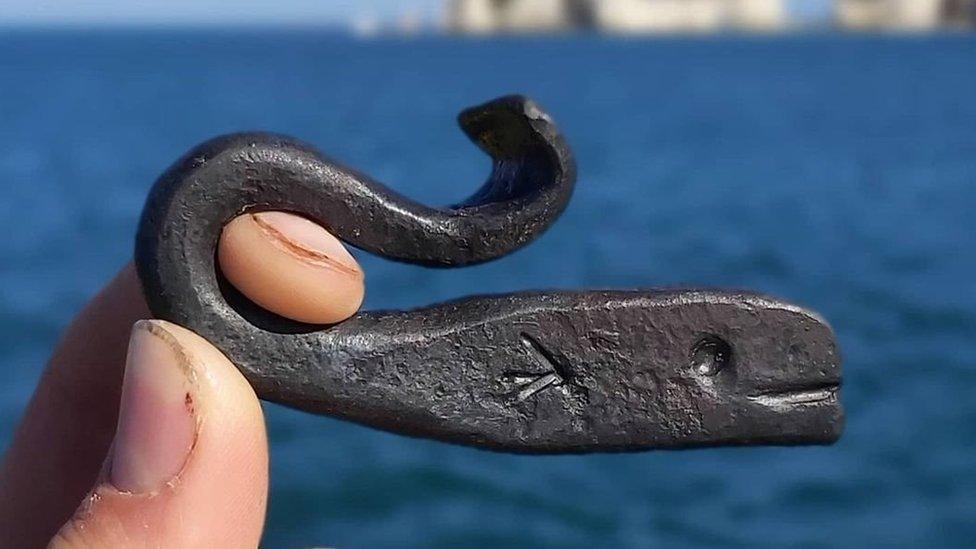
162	487
291	266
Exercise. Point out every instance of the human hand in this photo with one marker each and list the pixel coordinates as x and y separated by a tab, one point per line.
176	455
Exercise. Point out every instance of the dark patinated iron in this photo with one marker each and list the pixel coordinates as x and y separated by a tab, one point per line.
528	372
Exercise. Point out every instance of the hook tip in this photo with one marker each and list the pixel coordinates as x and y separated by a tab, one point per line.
507	126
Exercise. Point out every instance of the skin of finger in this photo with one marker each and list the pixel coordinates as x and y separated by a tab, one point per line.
58	449
218	499
284	280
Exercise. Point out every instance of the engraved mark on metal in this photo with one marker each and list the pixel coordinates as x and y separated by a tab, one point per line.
649	368
531	384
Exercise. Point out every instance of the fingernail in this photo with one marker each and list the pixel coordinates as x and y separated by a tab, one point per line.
157	427
307	240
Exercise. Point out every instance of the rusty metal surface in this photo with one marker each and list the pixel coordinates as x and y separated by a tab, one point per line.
537	372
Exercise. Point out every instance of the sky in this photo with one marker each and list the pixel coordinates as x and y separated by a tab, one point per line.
241	12
207	12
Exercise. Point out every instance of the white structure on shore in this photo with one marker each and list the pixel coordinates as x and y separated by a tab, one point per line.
512	16
889	14
615	16
760	15
639	16
695	16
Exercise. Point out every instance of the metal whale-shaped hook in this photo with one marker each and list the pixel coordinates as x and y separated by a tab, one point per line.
543	372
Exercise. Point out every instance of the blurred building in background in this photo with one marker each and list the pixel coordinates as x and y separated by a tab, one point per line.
630	16
618	16
900	14
695	16
496	16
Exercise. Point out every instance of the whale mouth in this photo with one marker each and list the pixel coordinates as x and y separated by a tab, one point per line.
824	393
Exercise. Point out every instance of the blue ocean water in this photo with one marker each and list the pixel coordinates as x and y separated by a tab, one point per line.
839	172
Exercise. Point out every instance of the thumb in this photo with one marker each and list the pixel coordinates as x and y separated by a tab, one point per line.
189	463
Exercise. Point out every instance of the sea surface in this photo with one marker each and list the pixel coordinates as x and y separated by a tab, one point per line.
838	172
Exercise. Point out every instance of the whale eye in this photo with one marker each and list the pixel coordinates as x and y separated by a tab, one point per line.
710	355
